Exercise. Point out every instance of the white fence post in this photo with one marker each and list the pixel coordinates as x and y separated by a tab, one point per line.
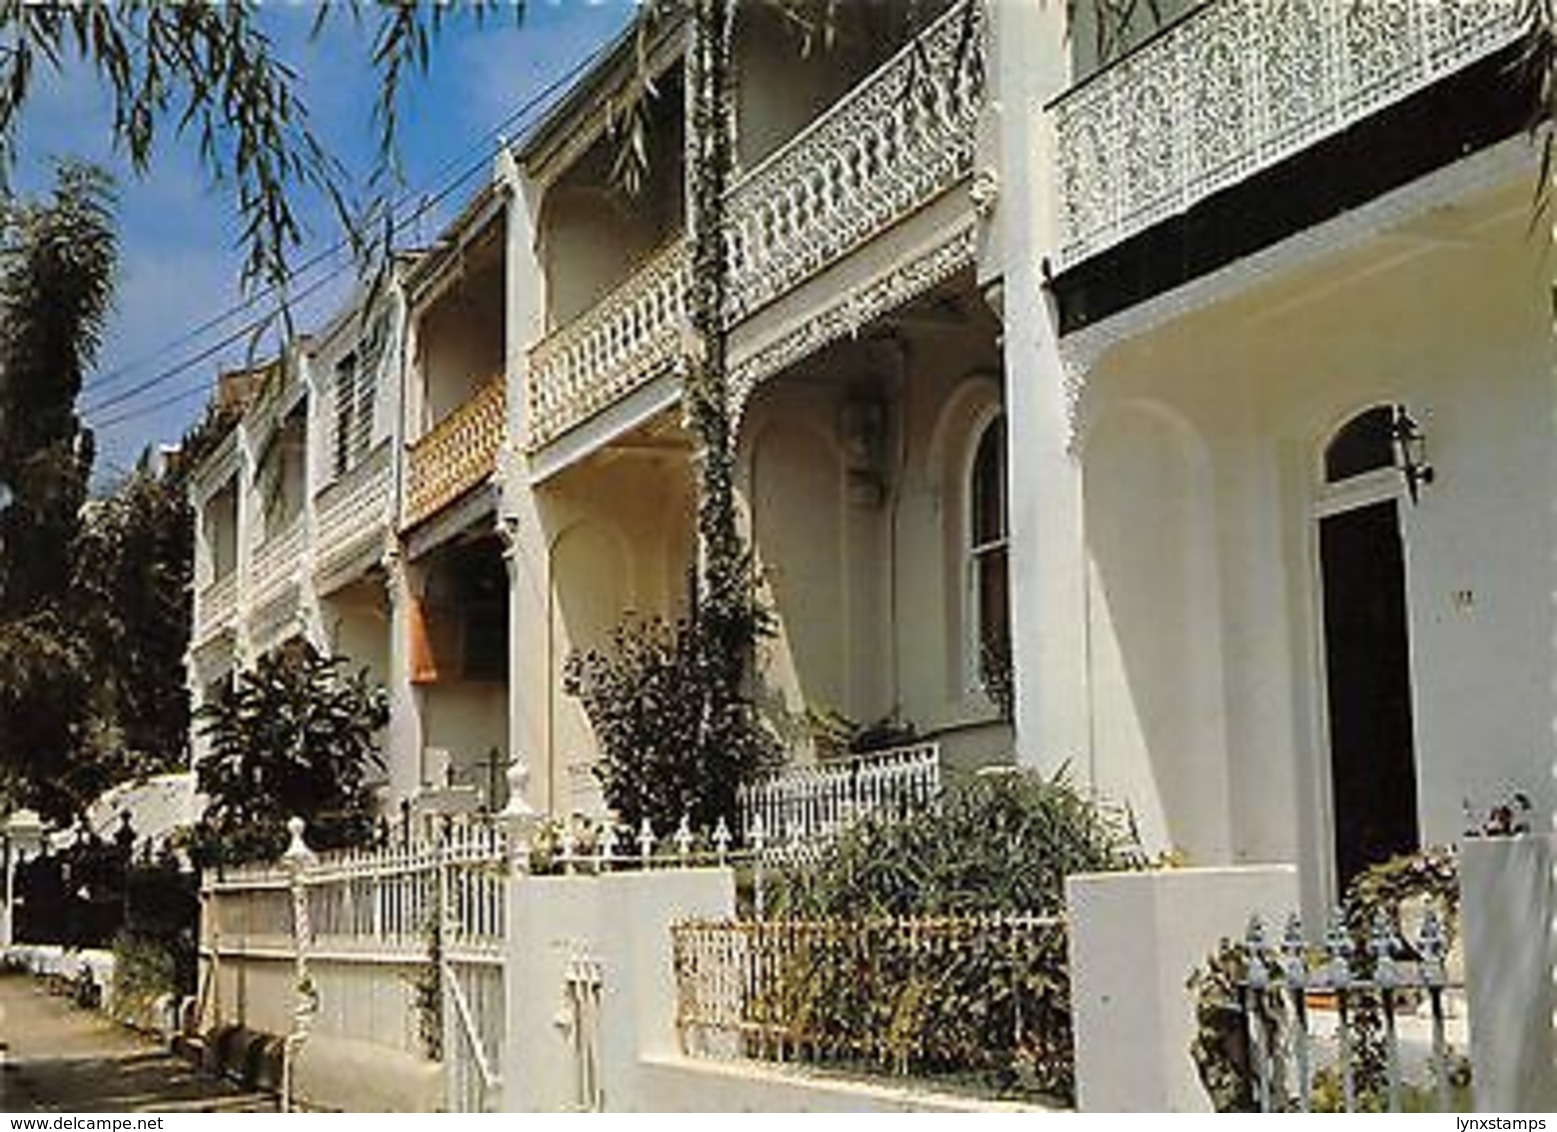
1507	905
299	858
1134	938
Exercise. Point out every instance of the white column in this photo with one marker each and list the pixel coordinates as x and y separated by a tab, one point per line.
310	606
1048	561
525	539
7	920
403	743
243	517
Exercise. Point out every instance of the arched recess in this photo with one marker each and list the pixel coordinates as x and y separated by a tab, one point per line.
797	514
1154	612
589	571
1366	646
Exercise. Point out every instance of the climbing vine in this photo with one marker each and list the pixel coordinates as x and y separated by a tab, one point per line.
727	617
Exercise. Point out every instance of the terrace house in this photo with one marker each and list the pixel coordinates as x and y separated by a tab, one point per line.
1199	379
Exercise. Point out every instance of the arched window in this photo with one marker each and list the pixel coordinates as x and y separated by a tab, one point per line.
988	559
1363	444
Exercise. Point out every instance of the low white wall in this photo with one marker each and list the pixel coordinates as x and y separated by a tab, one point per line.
622	923
682	1084
346	1076
1134	939
362	1053
1506	909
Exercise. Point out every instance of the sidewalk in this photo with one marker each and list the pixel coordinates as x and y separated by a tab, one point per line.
55	1057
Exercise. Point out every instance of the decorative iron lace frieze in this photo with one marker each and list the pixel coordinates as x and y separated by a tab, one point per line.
1238	86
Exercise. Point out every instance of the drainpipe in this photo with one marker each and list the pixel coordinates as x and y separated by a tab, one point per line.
298	859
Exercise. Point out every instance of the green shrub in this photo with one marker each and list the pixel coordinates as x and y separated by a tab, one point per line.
145	969
976	987
670	747
997	841
294	736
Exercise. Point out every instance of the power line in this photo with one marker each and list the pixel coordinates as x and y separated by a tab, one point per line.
231	339
464	174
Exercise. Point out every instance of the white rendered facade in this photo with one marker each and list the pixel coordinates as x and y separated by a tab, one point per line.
1139	296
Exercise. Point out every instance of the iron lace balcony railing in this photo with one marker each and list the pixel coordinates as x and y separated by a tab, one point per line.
1235	87
895	142
355	507
217	606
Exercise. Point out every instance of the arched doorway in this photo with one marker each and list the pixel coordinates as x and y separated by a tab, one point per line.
1367	650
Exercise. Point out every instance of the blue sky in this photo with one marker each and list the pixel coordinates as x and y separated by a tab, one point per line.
180	262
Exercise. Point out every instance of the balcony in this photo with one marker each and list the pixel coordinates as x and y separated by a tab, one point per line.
1237	86
276	561
618	345
354	510
893	144
458	454
217	607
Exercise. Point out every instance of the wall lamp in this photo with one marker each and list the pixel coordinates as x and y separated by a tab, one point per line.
1410	452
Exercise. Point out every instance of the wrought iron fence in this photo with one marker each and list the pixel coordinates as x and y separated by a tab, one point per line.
984	1000
804	803
1342	1027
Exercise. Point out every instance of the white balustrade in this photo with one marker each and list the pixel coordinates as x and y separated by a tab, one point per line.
1237	86
276	561
217	607
890	146
458	453
620	344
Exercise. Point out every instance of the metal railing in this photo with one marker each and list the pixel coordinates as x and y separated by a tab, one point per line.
810	802
218	606
277	560
354	508
435	902
896	141
899	139
1356	1021
984	995
1237	86
621	343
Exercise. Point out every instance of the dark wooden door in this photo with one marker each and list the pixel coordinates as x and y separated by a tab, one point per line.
1368	674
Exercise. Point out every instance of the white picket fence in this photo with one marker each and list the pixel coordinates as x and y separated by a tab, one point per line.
404	944
806	803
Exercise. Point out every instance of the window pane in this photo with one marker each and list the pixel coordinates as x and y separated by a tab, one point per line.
989	485
345	411
994	608
1363	444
